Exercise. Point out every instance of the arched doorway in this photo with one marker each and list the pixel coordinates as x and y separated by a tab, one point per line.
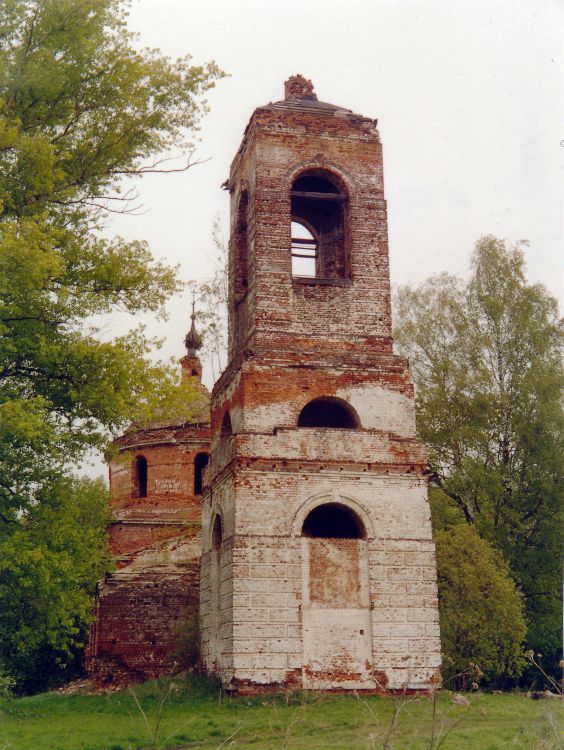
337	633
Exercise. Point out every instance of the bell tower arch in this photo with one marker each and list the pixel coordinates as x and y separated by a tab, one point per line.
310	333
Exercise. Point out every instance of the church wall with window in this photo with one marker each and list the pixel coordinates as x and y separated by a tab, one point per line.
156	481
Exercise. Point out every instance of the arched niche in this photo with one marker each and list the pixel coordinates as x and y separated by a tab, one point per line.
200	462
333	521
140	476
240	276
226	427
327	498
336	615
217	533
215	584
329	412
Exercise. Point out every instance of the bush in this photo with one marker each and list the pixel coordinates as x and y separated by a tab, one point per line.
187	651
481	611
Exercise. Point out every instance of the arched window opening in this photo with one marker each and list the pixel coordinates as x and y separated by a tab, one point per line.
333	521
140	477
200	463
328	412
217	533
226	428
304	251
318	208
240	276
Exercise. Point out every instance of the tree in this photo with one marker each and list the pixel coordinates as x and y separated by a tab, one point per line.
80	107
481	617
211	297
48	569
486	358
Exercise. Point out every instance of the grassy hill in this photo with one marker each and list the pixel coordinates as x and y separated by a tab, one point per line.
194	714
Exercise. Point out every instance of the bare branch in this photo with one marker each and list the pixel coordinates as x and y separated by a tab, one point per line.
152	168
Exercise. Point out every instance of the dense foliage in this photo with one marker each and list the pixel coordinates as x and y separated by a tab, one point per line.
80	106
486	358
481	615
47	566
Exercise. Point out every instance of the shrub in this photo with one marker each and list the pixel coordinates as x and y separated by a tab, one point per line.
481	612
187	651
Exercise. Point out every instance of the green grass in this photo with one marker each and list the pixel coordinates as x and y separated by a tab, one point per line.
195	715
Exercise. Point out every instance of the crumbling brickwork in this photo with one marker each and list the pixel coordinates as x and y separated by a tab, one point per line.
318	566
140	611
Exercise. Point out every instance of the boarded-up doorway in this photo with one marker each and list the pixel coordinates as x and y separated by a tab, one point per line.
337	637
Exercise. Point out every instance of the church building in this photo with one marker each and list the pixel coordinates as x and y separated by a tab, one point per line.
317	562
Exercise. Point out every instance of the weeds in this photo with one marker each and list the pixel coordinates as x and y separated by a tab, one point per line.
441	725
557	692
536	661
153	727
288	721
398	703
165	691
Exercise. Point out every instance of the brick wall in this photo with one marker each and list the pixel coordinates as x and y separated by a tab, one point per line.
279	608
143	605
140	611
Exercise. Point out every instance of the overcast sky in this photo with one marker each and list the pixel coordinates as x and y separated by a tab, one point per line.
469	99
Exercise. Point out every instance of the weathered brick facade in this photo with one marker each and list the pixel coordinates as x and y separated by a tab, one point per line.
155	537
318	566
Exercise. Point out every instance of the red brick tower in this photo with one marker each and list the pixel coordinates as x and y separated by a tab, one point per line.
156	483
318	565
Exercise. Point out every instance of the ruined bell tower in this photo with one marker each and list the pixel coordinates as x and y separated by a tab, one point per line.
318	567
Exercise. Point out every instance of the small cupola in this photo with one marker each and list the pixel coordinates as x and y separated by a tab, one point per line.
191	365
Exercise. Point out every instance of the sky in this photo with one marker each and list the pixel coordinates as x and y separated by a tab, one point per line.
469	100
